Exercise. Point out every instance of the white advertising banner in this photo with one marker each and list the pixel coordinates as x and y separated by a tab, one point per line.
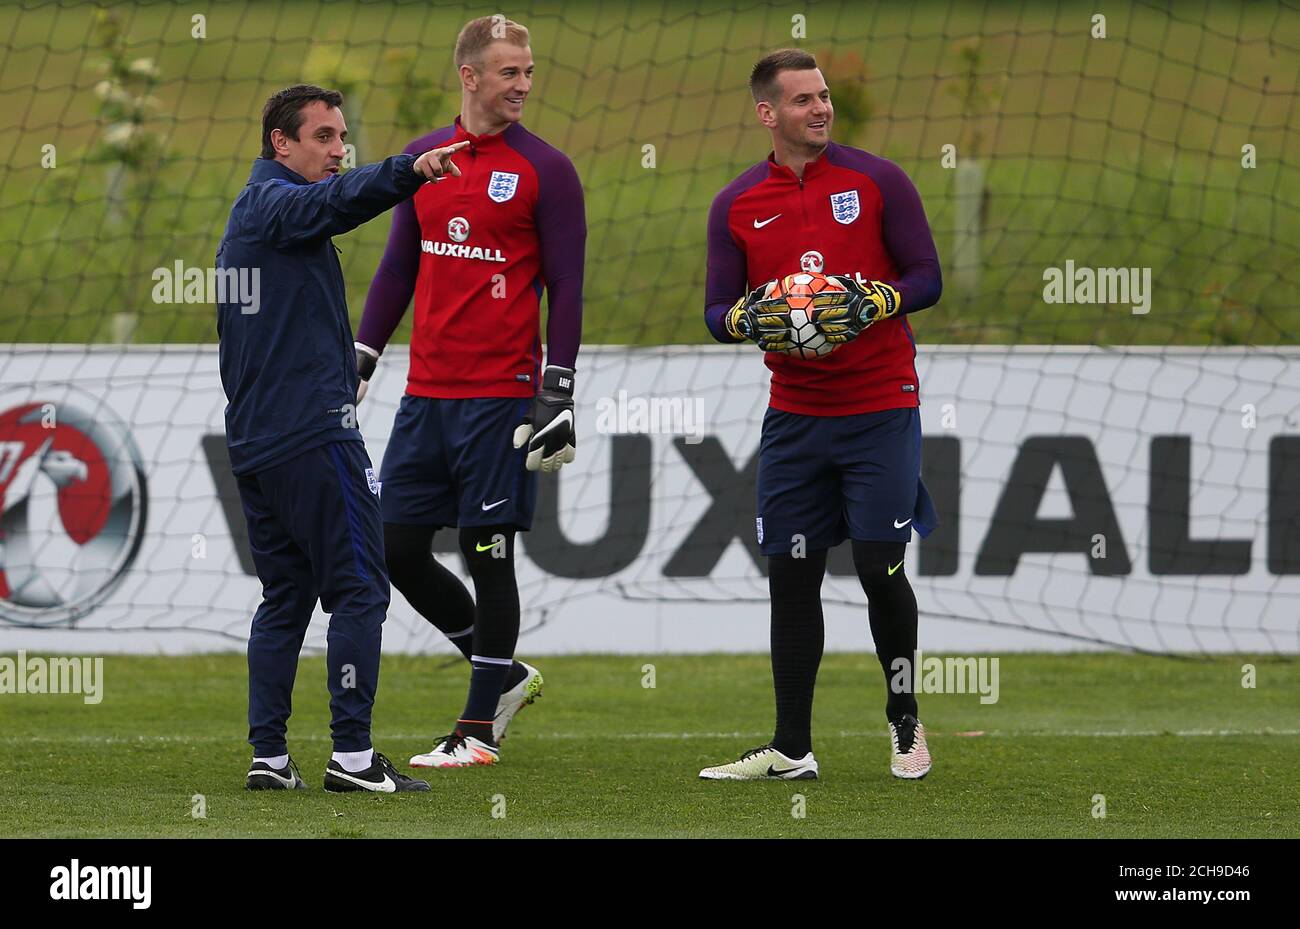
1089	498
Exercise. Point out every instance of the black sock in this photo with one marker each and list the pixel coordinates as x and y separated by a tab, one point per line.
798	635
891	609
489	554
434	591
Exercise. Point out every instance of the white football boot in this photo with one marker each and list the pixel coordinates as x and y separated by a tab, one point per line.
764	763
515	699
911	758
458	751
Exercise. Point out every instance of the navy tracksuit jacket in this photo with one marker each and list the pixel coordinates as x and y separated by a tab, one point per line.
308	490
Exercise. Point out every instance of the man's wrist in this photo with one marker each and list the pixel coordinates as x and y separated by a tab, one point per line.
888	301
558	379
731	320
367	359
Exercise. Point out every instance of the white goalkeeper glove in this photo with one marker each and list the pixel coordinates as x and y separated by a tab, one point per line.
367	359
549	430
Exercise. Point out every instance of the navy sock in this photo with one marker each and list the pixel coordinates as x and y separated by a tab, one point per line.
485	685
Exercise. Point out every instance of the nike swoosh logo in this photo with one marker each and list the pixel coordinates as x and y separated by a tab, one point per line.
286	781
492	506
386	786
773	772
480	547
758	225
895	568
898	525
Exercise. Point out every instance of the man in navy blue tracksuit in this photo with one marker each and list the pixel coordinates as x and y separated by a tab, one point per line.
307	486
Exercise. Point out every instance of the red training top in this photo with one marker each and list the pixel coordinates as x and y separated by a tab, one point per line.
853	213
477	251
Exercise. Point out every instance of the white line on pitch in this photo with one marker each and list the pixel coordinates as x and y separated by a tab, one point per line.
673	736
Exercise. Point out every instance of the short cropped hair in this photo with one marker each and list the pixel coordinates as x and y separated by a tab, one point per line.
284	111
478	34
762	80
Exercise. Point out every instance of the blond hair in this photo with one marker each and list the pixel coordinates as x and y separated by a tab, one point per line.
478	34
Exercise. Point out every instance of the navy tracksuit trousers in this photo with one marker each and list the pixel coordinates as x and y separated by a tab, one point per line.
316	533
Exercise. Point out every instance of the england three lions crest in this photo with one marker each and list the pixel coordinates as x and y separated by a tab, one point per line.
502	186
845	207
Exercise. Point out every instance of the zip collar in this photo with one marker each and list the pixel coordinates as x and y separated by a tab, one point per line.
811	170
488	141
268	169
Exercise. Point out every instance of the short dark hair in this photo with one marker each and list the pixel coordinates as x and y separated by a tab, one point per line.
762	80
284	111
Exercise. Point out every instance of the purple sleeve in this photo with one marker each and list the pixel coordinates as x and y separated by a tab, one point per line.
561	221
727	279
904	227
907	237
394	282
910	243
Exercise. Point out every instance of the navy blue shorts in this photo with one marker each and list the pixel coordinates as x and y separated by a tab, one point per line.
452	463
830	478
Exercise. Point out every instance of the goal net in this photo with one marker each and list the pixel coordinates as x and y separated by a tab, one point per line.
1110	384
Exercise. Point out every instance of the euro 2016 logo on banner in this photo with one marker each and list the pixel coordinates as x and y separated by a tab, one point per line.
72	504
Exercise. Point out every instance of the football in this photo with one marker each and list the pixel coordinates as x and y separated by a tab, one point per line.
800	292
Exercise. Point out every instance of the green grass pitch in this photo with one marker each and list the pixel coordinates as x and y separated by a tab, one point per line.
1177	747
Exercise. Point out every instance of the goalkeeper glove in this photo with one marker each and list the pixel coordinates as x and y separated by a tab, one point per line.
759	319
367	358
867	303
549	430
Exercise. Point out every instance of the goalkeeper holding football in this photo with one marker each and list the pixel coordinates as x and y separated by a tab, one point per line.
480	417
840	453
